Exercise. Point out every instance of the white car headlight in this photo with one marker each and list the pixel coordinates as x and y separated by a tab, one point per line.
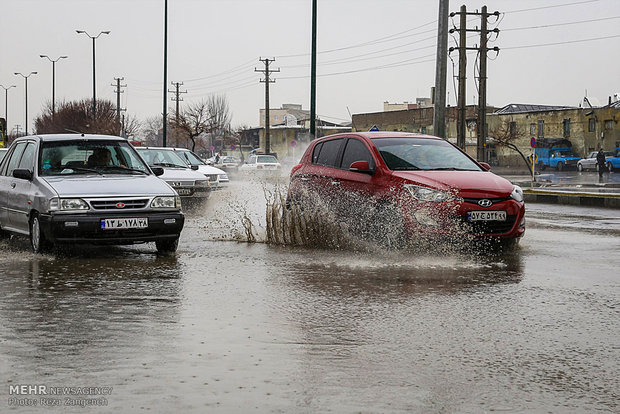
68	204
517	194
428	194
169	202
223	177
202	183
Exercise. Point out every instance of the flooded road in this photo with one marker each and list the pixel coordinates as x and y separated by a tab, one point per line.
228	326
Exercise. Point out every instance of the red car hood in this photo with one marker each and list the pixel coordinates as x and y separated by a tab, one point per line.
465	183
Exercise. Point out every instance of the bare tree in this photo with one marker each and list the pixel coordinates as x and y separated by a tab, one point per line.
505	135
78	116
131	125
207	116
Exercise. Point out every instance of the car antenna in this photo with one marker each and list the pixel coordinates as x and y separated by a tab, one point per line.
75	132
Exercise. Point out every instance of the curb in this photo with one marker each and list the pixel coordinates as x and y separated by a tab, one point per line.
572	198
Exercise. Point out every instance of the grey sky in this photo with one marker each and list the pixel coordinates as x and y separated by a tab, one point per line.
370	51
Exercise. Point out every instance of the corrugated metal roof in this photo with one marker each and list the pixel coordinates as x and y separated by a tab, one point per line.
520	108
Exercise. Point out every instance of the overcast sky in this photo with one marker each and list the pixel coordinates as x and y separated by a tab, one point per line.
370	51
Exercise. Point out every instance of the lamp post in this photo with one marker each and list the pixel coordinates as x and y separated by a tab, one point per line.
6	103
26	93
53	79
94	88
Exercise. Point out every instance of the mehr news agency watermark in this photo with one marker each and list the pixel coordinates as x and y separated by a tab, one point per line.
34	395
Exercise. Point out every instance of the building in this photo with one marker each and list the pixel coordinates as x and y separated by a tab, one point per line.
288	114
419	103
588	128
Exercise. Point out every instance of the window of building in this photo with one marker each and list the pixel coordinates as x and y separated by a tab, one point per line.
532	129
609	124
275	117
566	125
591	124
541	128
513	129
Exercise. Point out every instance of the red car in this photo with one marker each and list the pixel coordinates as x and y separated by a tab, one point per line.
411	184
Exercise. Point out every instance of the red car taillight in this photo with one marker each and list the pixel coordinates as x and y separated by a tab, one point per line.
295	168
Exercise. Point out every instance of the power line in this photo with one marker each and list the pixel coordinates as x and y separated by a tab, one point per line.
561	24
554	6
563	43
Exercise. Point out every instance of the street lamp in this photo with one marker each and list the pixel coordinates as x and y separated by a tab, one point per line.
26	93
94	88
53	79
6	103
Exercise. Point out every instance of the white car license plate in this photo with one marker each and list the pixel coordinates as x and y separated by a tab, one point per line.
486	215
124	223
184	191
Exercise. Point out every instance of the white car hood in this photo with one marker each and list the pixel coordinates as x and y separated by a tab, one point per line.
178	174
104	186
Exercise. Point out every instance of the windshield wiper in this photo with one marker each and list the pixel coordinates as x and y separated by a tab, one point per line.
169	164
449	169
118	167
412	167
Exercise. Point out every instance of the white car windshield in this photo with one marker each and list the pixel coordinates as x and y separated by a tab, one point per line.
162	158
422	154
89	156
264	159
191	158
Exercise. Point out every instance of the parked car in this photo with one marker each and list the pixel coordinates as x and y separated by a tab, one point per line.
187	182
613	162
589	162
70	188
555	153
266	164
216	177
3	153
420	184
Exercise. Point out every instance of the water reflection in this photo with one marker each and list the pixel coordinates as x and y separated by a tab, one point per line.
74	310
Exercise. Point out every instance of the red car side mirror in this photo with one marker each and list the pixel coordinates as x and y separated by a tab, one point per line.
486	166
361	166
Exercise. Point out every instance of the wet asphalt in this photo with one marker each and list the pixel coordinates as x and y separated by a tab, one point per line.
230	326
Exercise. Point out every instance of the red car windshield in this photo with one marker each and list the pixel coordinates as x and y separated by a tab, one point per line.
406	154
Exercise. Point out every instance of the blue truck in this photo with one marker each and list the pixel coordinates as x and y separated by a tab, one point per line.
555	153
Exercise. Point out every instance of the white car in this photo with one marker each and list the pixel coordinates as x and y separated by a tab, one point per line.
188	183
258	163
217	177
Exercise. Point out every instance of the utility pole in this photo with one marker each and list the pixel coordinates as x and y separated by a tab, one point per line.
267	81
17	126
176	97
165	113
482	92
313	74
462	103
439	113
118	92
6	103
481	127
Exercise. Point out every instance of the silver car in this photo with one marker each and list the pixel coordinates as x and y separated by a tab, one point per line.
75	189
590	163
